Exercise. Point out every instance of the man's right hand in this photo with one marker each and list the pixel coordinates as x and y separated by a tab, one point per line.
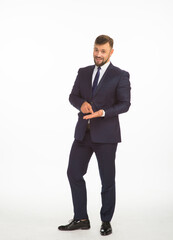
86	108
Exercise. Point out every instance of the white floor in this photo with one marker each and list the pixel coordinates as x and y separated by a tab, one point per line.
129	224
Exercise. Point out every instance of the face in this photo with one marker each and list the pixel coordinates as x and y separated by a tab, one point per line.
102	54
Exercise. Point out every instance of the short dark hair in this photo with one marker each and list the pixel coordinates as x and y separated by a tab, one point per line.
102	39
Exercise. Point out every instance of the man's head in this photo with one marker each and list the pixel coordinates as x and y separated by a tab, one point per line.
103	49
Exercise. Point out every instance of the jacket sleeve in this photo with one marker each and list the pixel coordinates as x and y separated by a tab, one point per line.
122	97
75	97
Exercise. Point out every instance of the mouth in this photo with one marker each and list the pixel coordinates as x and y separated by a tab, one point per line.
98	59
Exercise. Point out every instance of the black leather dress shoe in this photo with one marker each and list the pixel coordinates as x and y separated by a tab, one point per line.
106	228
74	225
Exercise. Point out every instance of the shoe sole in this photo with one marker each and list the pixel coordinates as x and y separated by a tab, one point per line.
104	234
82	228
85	228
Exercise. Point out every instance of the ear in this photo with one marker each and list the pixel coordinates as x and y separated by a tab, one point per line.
112	51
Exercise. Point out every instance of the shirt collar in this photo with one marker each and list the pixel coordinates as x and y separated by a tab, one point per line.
104	67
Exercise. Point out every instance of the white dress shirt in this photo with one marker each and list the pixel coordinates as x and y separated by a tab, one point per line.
102	71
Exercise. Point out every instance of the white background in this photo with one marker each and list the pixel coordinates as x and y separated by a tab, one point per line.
42	45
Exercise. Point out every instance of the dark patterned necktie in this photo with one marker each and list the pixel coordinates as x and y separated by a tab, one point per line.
96	80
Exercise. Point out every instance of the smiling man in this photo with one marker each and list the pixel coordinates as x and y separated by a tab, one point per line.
101	92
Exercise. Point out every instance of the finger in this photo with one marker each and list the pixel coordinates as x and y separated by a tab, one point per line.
86	117
89	116
87	110
90	109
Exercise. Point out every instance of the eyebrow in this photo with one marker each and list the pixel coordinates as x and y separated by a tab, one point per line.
100	50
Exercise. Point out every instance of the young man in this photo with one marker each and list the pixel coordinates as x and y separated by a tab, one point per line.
101	92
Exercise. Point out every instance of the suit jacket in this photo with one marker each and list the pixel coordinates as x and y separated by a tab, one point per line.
112	95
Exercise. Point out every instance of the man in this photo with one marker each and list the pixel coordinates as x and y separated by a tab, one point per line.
101	92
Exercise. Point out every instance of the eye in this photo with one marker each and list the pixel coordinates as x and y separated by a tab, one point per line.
103	51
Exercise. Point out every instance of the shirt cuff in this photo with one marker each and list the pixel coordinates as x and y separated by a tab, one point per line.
103	114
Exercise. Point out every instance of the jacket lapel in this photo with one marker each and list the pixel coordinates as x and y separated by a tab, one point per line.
89	77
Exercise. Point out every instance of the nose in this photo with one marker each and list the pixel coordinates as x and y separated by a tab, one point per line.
98	54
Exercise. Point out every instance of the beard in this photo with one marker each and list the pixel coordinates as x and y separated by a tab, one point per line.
100	64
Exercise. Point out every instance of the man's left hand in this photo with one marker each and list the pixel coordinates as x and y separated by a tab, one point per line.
94	115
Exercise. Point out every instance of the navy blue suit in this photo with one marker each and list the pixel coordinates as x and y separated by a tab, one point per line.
113	96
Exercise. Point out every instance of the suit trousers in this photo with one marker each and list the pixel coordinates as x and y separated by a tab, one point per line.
80	155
